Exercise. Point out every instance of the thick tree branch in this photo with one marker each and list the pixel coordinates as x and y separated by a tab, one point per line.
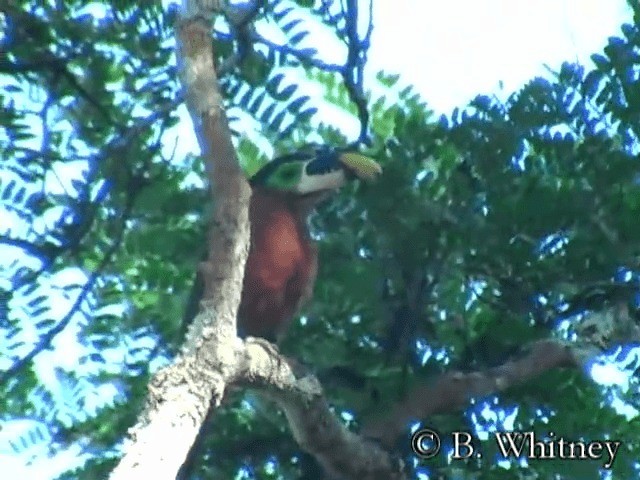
342	453
181	394
213	357
453	390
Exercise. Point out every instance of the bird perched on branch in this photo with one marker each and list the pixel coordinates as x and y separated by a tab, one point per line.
282	262
281	267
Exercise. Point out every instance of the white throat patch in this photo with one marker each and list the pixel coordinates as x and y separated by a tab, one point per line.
325	181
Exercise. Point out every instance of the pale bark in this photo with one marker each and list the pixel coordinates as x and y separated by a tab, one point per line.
180	395
213	357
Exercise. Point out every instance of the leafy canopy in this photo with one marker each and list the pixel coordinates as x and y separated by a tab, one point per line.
499	225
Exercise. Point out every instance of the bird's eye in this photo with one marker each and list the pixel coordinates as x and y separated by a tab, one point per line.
287	174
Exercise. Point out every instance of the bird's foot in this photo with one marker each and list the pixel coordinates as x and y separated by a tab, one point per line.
270	347
298	368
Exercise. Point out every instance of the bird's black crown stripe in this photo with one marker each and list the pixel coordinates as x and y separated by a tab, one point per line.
323	160
326	161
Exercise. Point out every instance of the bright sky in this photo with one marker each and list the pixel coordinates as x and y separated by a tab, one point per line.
453	50
450	51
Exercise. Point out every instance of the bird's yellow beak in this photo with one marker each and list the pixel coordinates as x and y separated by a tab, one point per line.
363	167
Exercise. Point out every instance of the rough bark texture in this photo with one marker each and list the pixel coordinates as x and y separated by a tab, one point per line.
213	357
180	395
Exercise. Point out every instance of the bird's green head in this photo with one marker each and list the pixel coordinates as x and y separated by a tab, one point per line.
314	170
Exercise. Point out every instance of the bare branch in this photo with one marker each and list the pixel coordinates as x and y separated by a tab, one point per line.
229	237
213	357
343	454
353	69
180	395
299	55
453	390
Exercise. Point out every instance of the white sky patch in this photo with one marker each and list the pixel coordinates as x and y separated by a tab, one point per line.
493	418
35	462
609	374
452	51
624	408
60	179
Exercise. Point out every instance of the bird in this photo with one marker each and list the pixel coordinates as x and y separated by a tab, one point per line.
282	262
283	259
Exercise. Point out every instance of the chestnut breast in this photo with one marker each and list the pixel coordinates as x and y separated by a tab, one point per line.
280	269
